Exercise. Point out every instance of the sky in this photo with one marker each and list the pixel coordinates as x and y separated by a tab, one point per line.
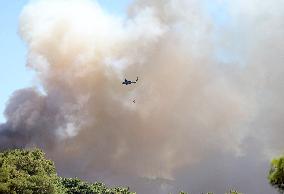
13	50
12	63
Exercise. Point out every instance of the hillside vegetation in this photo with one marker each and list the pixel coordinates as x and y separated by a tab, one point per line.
29	172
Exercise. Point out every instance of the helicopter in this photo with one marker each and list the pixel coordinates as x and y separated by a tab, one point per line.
126	82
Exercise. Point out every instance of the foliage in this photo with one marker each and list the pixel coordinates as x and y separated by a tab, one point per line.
230	192
276	173
77	186
27	172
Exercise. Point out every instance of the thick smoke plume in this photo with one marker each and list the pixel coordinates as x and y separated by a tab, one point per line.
208	109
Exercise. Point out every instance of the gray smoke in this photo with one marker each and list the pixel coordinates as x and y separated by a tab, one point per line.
208	111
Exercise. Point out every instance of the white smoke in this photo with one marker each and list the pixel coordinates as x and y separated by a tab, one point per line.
191	106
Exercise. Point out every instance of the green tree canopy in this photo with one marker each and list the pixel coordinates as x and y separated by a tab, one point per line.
77	186
276	173
28	172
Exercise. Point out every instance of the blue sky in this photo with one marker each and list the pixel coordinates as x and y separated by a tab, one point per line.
14	74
